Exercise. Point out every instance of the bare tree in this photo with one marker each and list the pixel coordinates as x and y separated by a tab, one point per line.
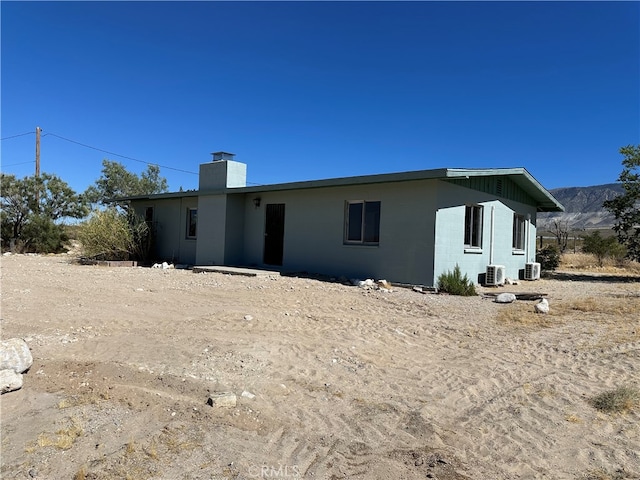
561	232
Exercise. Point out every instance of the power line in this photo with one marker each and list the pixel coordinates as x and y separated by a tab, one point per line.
117	154
19	135
14	164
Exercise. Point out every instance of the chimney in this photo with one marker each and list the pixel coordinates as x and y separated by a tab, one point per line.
222	172
218	156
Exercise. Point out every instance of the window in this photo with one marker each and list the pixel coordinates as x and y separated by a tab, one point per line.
148	215
473	226
519	231
362	222
192	222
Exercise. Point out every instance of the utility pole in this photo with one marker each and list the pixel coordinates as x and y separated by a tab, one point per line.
38	130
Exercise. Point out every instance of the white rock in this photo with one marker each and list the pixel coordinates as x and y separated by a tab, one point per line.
248	395
542	306
10	381
15	355
222	399
505	298
248	318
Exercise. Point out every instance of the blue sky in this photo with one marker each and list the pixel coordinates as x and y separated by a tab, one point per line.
309	90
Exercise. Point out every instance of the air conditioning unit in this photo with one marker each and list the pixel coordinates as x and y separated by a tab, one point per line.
495	275
532	271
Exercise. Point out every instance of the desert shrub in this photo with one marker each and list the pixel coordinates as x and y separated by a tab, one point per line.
143	238
601	474
41	234
455	283
107	235
618	400
603	247
548	257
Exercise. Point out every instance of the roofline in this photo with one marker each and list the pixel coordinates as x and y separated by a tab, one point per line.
546	201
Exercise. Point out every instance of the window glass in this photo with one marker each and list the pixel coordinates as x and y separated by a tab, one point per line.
354	222
362	222
372	222
192	222
473	226
518	231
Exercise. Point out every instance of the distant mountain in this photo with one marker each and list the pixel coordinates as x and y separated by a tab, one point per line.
583	207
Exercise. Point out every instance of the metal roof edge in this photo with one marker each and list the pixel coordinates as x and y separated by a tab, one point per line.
546	201
156	196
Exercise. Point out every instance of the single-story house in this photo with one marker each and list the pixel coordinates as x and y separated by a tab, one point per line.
406	227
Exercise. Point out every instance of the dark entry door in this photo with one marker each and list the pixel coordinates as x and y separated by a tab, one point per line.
274	234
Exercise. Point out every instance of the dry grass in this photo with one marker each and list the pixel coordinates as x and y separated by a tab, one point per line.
572	418
618	306
81	474
64	438
619	400
589	263
600	474
131	447
523	314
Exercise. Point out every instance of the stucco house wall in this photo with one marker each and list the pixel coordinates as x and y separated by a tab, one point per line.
169	222
421	232
497	241
315	223
212	217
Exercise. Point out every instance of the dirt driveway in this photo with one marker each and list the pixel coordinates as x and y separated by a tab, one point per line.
332	381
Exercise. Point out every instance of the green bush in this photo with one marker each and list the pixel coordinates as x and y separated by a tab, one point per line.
602	247
548	257
41	234
618	400
455	284
107	236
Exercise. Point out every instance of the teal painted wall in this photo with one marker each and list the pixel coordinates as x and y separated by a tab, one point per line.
449	240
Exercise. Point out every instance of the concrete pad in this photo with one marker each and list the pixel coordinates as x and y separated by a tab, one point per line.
247	272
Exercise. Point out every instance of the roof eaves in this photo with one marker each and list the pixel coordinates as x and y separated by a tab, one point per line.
546	202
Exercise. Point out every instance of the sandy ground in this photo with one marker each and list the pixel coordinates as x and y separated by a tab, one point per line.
348	383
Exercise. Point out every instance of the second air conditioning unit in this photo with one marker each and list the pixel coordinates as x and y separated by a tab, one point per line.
495	275
532	271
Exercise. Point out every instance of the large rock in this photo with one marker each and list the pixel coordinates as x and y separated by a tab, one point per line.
10	381
15	355
505	298
542	306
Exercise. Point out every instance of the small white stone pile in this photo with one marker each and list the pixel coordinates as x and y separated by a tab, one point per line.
15	359
163	265
371	284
